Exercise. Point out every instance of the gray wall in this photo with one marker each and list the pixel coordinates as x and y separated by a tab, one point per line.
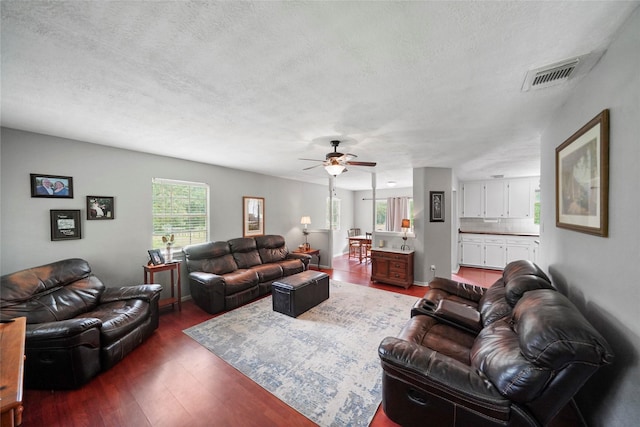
601	275
117	249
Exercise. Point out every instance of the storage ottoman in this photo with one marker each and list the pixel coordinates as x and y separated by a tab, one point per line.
293	295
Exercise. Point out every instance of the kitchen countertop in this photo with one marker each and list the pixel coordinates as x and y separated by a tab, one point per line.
501	233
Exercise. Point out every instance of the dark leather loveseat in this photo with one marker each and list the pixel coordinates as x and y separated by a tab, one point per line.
227	274
520	368
76	327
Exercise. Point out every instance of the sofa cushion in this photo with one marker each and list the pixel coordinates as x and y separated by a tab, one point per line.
210	257
493	305
518	285
272	248
268	272
245	252
291	266
61	303
119	318
522	267
239	280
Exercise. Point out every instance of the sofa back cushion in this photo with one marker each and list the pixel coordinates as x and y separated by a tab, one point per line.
245	252
210	257
524	354
56	291
271	248
493	304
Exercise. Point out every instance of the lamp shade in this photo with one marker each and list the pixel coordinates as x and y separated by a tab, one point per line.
335	170
406	223
305	220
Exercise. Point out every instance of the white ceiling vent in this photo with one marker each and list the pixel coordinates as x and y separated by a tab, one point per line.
559	72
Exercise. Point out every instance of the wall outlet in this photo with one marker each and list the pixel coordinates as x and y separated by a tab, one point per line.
433	268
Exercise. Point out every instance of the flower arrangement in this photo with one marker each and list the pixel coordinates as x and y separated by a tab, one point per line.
168	240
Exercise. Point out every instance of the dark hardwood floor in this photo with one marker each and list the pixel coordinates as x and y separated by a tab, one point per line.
170	380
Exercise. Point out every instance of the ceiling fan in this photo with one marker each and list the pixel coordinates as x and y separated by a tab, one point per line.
335	163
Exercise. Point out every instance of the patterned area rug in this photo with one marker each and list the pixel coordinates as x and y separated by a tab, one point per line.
324	363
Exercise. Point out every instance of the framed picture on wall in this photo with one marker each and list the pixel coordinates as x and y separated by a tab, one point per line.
436	206
55	186
100	207
252	216
582	178
65	224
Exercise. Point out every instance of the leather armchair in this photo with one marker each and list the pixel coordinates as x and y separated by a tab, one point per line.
491	303
520	370
76	327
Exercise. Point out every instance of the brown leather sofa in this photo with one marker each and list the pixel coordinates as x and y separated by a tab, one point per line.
522	369
227	274
445	298
76	327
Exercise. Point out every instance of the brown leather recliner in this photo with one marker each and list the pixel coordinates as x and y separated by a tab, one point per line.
489	304
76	327
520	370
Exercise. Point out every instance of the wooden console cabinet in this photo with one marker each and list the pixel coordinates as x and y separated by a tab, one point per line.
394	267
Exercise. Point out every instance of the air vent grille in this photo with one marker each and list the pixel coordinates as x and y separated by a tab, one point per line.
551	75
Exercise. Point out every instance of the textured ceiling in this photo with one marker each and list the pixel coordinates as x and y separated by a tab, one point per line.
258	85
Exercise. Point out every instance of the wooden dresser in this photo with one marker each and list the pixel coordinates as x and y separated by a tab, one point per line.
392	266
12	337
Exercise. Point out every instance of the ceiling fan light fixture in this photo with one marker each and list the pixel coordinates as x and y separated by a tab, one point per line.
335	169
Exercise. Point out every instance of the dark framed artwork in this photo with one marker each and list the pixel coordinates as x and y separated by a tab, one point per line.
54	186
582	178
65	224
156	256
436	206
252	216
100	207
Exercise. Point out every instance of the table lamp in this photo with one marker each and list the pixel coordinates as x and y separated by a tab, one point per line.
406	225
306	220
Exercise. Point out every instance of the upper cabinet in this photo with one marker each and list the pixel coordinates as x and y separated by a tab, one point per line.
499	198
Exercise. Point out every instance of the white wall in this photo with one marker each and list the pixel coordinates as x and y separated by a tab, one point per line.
117	249
602	275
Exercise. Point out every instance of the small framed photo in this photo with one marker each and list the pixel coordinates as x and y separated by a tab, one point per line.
65	224
100	207
582	179
252	216
54	186
436	200
156	256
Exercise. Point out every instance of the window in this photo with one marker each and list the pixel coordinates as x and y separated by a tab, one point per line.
333	213
536	207
180	208
382	206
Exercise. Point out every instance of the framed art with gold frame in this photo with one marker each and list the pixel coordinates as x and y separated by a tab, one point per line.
252	216
582	179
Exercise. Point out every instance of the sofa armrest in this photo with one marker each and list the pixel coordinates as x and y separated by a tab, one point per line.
61	329
143	292
207	291
460	289
443	376
305	258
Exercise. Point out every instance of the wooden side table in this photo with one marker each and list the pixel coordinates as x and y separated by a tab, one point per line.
150	270
309	251
12	336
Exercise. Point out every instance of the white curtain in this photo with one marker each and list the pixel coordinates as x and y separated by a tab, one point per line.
397	210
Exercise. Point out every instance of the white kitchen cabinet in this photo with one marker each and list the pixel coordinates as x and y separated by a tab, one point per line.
473	199
520	197
495	199
499	198
472	251
495	251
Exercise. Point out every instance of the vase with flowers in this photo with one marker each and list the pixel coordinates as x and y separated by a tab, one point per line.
168	240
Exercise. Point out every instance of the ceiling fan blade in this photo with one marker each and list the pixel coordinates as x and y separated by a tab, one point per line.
361	163
313	160
311	167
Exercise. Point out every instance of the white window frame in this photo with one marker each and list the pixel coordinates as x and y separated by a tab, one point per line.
182	237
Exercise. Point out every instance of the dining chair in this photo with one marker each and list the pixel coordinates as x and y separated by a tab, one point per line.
354	245
367	247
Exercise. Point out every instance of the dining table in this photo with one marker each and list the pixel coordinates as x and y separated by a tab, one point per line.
364	242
